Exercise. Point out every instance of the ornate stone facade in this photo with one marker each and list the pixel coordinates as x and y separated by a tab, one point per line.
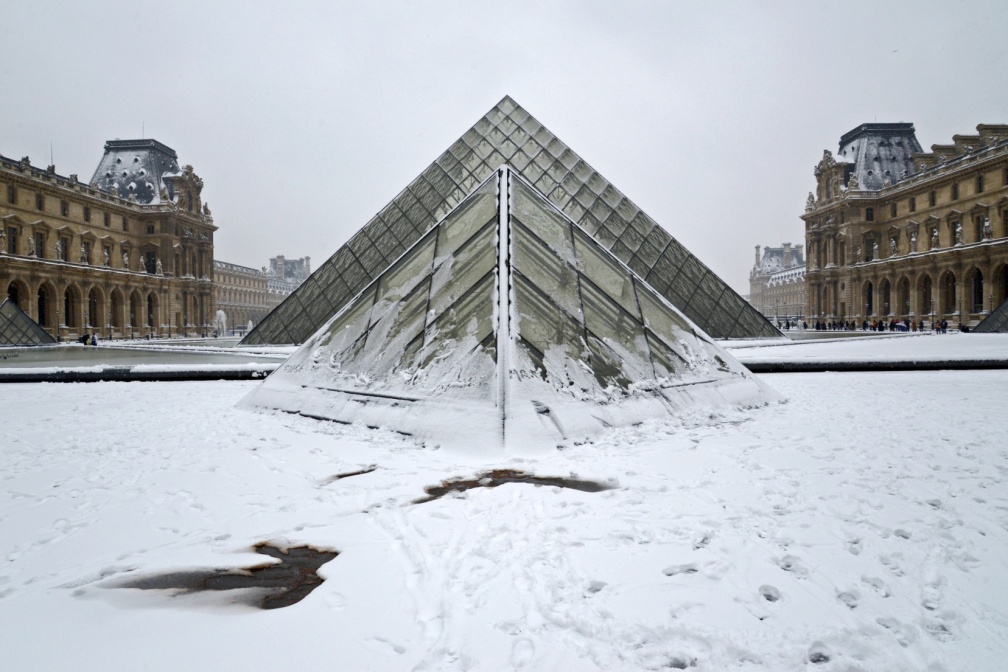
893	232
247	295
777	282
128	255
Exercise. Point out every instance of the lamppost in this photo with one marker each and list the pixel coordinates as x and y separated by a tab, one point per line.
990	302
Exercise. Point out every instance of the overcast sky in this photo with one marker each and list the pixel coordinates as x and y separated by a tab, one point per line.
304	119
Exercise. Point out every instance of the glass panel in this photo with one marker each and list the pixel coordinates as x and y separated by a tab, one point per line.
470	217
544	326
389	336
606	365
403	277
461	270
663	321
619	330
548	273
471	315
605	272
350	325
542	220
667	362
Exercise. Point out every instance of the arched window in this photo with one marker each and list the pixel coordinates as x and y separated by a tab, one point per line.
869	214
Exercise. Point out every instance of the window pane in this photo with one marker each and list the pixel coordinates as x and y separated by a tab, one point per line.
460	271
542	220
555	278
607	274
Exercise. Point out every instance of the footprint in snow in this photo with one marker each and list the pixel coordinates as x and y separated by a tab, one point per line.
673	570
850	599
769	593
792	564
819	653
878	584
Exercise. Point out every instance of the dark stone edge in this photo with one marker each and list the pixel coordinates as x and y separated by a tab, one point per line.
822	367
128	375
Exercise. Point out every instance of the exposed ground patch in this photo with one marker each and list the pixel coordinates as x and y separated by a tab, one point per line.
264	586
336	477
497	477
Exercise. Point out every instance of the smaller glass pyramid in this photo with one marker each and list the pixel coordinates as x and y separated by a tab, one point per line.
506	324
16	328
996	322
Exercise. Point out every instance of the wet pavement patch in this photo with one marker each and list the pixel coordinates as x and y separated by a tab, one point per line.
264	586
496	477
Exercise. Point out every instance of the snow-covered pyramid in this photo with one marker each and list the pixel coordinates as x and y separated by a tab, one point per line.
506	325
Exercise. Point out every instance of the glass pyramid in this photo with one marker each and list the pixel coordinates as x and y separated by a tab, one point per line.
506	323
996	322
508	135
16	328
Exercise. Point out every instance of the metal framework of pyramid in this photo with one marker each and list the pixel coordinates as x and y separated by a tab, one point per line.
508	135
16	328
506	324
996	322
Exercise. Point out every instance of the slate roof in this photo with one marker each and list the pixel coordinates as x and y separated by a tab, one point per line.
508	134
878	152
136	167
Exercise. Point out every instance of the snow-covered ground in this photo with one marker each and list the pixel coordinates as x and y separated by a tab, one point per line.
864	521
926	347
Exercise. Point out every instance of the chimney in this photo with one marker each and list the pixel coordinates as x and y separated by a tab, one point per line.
757	256
787	255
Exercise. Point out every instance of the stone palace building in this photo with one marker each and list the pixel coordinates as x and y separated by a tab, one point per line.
893	232
127	254
246	295
777	282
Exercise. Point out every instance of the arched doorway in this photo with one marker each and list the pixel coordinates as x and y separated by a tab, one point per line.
118	310
885	297
46	304
925	296
95	309
72	307
903	297
947	293
869	299
152	311
15	294
976	304
135	311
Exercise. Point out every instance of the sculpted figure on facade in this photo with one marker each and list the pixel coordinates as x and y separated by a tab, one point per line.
810	202
874	249
892	246
59	246
934	238
3	246
913	242
83	254
31	247
857	255
987	232
853	184
125	260
105	257
958	234
160	270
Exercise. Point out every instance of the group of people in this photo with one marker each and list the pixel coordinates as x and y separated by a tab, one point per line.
937	326
88	339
